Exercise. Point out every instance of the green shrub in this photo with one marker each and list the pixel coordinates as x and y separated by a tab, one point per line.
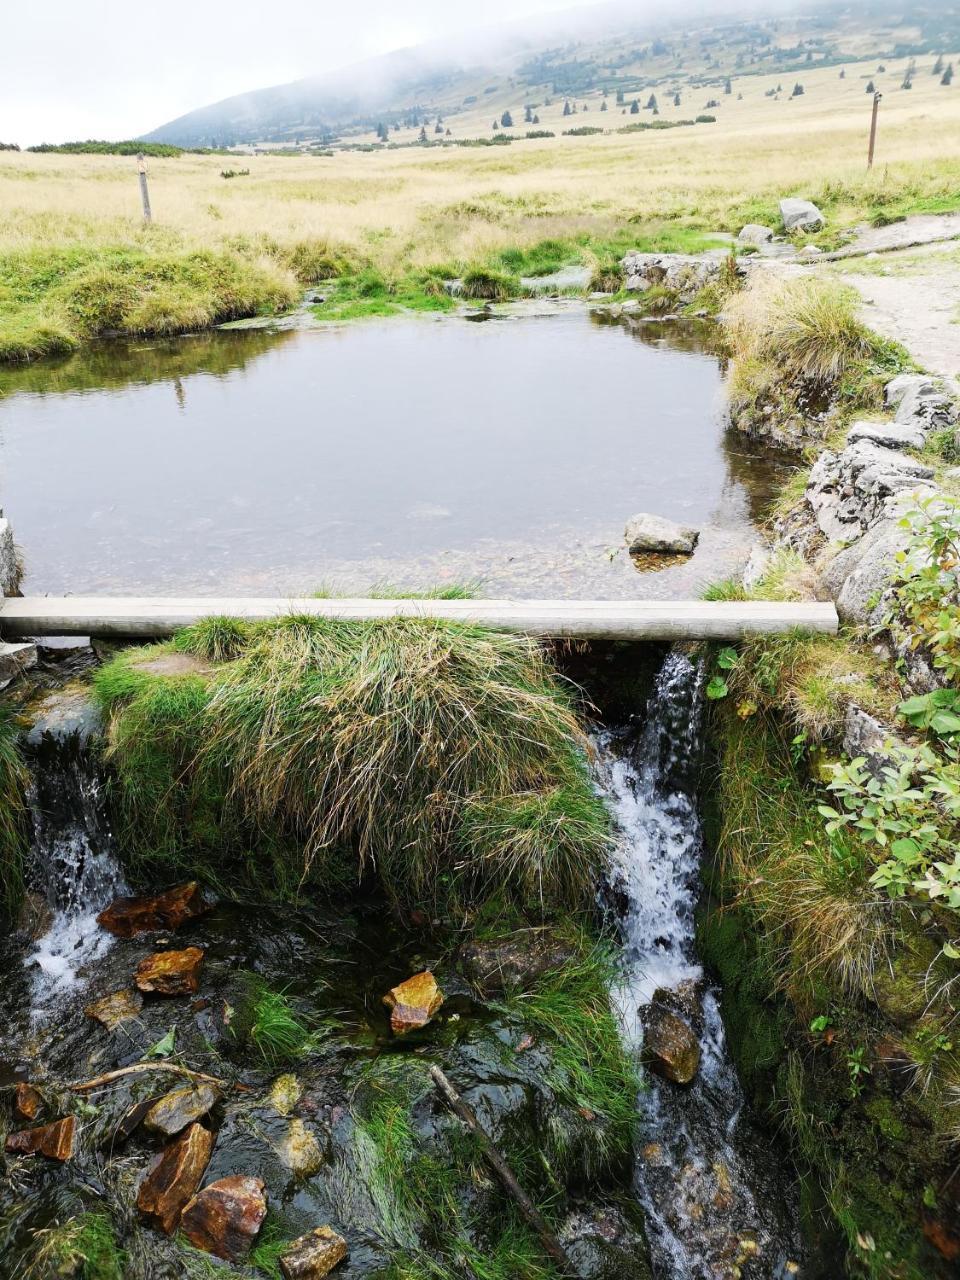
492	286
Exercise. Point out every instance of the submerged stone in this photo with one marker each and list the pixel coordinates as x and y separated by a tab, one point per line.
174	1176
35	916
170	973
127	917
413	1003
670	1046
314	1255
181	1107
26	1101
55	1141
119	1006
285	1093
494	967
225	1217
647	534
300	1151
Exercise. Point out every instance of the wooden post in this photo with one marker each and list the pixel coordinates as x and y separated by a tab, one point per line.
873	129
144	193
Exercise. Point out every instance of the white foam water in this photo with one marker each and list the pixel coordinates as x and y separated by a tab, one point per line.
713	1196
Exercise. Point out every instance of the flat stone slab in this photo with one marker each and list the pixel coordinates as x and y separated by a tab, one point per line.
647	534
119	1006
170	973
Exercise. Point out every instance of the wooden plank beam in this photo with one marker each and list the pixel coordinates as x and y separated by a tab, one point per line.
666	620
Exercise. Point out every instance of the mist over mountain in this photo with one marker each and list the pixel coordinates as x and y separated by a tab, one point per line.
613	45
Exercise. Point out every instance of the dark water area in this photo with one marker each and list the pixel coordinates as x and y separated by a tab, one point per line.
411	452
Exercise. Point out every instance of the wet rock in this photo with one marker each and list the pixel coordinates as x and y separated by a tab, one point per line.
27	1101
685	999
170	973
181	1107
494	967
119	1006
670	1045
413	1003
173	1177
225	1217
606	1242
801	215
285	1093
15	659
127	917
35	916
314	1255
647	534
55	1141
944	1238
67	712
755	233
300	1151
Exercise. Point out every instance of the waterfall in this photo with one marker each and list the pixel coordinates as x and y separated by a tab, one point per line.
708	1182
72	863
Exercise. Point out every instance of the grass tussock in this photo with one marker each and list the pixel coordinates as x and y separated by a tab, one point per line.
13	816
85	1246
808	891
443	760
265	1021
485	284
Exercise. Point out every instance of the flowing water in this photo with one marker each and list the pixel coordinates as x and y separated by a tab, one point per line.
409	451
708	1181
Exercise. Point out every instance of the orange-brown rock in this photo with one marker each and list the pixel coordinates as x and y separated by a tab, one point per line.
117	1007
55	1141
943	1238
224	1218
170	973
180	1107
127	917
413	1003
173	1177
313	1256
26	1101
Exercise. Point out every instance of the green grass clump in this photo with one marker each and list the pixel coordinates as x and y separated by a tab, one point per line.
485	284
53	299
266	1021
13	816
84	1246
444	760
369	294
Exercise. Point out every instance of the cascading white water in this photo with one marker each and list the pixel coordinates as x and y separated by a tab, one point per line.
72	861
716	1205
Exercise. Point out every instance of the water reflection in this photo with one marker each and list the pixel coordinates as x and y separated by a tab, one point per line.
407	451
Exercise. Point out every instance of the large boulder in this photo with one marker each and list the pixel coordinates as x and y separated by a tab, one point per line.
670	1045
225	1217
683	274
173	1177
647	534
126	917
800	215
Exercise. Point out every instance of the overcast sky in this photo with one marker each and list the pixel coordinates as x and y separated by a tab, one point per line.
111	69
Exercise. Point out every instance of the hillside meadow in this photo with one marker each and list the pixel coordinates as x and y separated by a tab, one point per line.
76	261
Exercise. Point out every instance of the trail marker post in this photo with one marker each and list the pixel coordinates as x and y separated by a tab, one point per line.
144	193
873	129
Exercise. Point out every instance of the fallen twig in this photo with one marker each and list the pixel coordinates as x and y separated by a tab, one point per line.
82	1086
498	1164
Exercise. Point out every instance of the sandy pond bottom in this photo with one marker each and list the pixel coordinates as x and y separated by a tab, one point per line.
411	452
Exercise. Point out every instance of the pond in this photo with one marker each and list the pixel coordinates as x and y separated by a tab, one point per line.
413	451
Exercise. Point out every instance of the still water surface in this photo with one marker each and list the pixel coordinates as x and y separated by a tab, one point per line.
408	452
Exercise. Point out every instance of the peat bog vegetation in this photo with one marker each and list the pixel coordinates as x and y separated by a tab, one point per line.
351	804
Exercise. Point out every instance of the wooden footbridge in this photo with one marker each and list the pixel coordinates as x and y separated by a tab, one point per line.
663	620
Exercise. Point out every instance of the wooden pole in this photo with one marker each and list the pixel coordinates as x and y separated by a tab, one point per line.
873	129
528	1209
144	193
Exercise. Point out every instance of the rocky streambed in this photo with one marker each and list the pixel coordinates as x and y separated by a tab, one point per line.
191	1082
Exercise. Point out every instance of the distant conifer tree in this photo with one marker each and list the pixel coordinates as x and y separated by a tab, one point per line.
947	76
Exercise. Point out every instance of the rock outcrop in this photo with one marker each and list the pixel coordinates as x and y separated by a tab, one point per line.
683	274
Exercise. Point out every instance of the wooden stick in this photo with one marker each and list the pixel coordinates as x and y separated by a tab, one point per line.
498	1164
82	1086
